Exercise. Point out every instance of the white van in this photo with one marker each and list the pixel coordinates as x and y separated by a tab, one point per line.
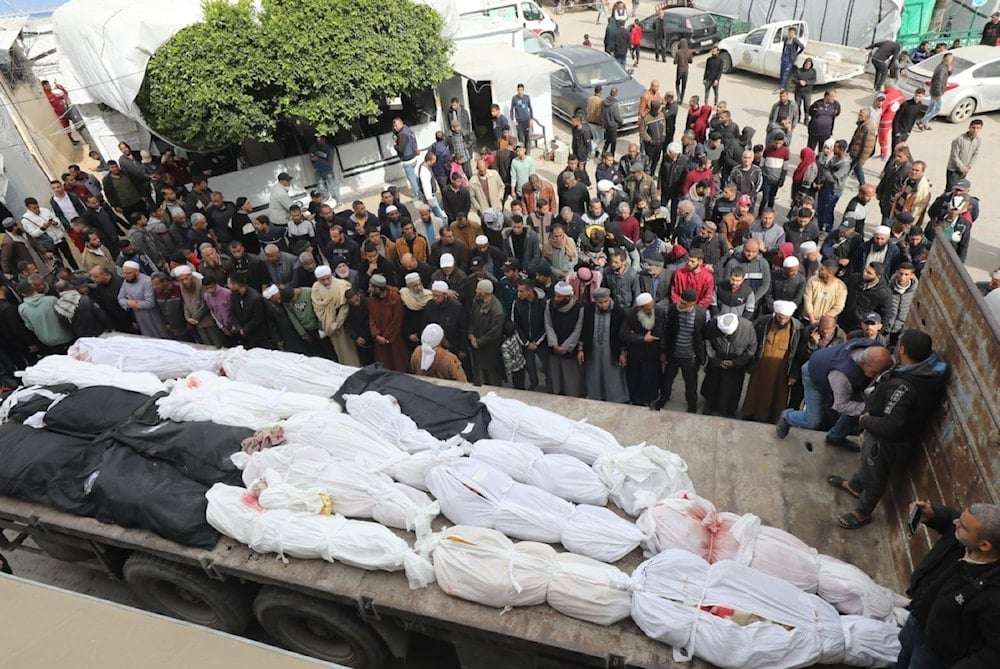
525	12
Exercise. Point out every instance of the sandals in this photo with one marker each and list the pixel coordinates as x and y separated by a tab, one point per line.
841	484
849	521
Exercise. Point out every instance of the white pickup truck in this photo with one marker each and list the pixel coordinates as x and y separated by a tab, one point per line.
760	51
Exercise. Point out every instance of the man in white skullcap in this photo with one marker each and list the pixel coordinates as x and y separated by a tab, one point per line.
445	310
486	335
563	326
450	274
731	347
432	359
778	338
643	337
787	283
329	300
810	258
137	295
878	249
415	297
196	311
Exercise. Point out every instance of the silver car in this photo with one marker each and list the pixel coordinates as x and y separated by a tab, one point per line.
973	86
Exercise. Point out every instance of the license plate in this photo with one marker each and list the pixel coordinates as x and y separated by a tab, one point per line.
704	42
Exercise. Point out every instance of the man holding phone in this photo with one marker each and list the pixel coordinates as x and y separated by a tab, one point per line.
955	591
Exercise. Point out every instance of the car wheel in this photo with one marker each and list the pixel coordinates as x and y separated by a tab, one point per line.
549	39
965	108
672	49
559	9
727	62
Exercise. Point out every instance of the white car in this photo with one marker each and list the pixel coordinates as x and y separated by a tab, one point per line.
973	87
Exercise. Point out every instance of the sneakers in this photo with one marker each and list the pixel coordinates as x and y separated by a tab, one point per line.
782	428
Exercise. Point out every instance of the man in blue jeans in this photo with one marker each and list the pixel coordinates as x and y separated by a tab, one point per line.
408	152
830	379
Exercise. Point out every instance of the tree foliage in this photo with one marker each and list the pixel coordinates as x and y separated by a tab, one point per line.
320	63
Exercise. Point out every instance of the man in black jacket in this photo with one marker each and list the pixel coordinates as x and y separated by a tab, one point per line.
448	312
685	348
955	592
896	410
528	315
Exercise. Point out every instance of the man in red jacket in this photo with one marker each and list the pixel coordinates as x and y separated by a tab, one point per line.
695	277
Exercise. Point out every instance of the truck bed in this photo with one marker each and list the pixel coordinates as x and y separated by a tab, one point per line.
740	466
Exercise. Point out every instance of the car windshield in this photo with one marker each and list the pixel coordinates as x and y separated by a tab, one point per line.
699	21
958	65
598	74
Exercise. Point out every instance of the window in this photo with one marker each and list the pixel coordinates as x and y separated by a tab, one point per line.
561	79
599	74
417	108
988	71
530	11
756	38
508	13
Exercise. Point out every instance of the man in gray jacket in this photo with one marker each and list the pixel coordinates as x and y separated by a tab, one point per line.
834	168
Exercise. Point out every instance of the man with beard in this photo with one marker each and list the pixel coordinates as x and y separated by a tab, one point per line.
867	292
485	335
329	301
522	243
433	359
673	170
249	313
642	333
357	325
914	195
731	345
757	271
563	326
250	266
18	247
136	294
298	308
385	319
955	606
877	249
842	246
685	349
778	338
602	354
196	311
447	312
104	292
415	297
894	415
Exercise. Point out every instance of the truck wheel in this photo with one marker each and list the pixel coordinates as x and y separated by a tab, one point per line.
965	108
549	38
185	593
727	62
672	49
319	629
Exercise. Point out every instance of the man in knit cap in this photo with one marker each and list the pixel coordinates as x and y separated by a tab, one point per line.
563	325
385	318
486	335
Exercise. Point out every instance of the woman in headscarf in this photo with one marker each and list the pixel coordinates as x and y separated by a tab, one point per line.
804	176
432	359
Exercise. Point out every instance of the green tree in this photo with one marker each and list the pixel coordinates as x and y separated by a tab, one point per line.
320	63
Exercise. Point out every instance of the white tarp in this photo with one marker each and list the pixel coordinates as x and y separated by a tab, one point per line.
859	23
106	44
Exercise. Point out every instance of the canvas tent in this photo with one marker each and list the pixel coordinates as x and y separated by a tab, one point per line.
859	23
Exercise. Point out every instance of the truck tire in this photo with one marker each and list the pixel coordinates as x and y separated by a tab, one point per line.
319	629
185	593
549	38
727	62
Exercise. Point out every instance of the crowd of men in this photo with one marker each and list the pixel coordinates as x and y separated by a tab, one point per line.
669	259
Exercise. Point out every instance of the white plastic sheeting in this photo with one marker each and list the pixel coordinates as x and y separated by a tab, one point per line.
203	396
355	492
236	513
285	371
474	493
859	23
691	523
514	420
562	475
165	358
640	475
382	414
484	566
735	616
53	369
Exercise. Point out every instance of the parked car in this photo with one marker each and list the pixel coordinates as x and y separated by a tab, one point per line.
760	51
582	68
974	84
694	25
534	43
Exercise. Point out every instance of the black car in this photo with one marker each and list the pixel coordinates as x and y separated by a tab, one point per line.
694	25
582	68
